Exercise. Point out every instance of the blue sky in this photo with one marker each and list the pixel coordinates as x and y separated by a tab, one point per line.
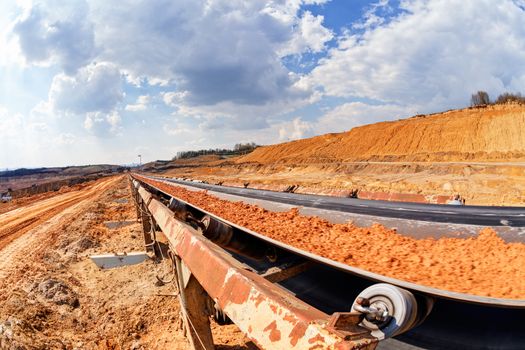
95	81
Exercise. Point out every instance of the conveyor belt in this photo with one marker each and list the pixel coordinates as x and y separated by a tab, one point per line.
457	321
510	303
468	215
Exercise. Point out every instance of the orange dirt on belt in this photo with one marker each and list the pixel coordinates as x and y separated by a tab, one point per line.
484	265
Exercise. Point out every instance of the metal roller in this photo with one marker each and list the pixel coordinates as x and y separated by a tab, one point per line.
179	208
225	236
389	310
216	231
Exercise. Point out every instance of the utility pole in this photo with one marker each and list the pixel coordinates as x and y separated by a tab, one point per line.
140	159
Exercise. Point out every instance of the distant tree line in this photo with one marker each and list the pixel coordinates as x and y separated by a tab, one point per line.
24	172
481	98
238	149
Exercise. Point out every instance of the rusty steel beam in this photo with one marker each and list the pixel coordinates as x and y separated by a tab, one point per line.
270	316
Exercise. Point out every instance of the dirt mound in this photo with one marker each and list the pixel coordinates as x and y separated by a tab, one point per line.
478	134
58	292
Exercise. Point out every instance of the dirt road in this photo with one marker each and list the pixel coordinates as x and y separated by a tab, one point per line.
15	223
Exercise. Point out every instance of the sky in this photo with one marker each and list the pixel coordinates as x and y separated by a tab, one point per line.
97	81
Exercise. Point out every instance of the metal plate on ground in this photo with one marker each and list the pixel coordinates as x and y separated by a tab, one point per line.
110	261
113	225
121	200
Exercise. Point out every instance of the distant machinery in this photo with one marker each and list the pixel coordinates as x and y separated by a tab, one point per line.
6	197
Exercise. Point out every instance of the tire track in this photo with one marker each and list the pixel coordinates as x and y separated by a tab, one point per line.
24	233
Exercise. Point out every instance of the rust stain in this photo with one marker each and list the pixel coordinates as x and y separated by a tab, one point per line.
316	347
275	334
297	332
317	339
258	299
221	282
289	317
238	293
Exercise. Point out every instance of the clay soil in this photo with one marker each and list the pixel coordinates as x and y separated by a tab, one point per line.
53	297
491	133
484	265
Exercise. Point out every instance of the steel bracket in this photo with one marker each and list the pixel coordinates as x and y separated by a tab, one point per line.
346	325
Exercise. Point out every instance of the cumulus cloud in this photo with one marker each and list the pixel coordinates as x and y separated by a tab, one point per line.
10	124
434	53
239	117
310	36
296	129
177	129
341	118
173	98
64	139
93	95
348	115
102	124
140	105
57	32
374	16
216	51
212	55
95	88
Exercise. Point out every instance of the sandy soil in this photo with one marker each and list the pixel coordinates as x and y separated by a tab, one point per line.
484	265
489	133
53	297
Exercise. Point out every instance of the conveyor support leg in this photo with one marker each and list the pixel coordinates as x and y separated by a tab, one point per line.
146	227
194	301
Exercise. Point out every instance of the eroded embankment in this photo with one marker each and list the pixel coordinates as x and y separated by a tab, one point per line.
484	265
491	133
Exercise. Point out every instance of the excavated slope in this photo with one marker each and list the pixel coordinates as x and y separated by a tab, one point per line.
493	133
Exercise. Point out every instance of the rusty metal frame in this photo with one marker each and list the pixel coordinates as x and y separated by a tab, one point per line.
270	316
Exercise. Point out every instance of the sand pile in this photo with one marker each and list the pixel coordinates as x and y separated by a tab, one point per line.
484	265
477	134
